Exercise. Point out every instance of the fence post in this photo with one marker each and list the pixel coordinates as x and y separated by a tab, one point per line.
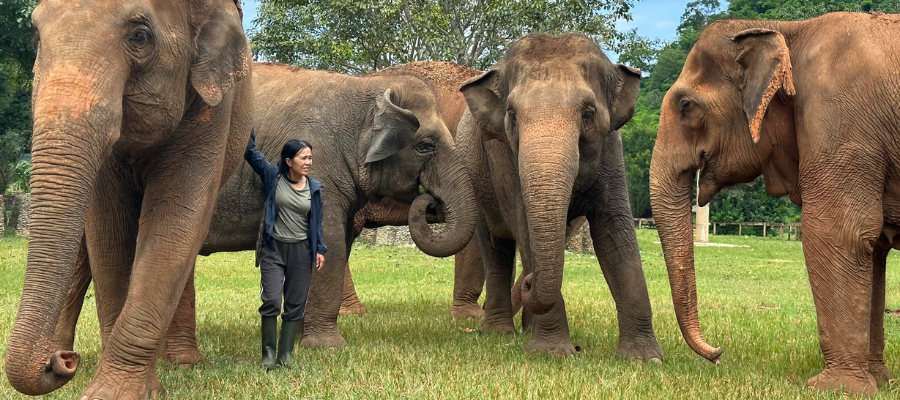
781	230
714	228
740	229
639	224
764	229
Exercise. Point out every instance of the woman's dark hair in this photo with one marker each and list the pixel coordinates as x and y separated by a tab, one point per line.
290	150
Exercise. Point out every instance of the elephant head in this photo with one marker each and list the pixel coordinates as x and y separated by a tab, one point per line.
553	101
736	88
409	146
108	74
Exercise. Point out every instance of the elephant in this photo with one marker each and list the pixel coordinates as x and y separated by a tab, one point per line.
541	134
446	77
180	344
811	106
390	141
141	112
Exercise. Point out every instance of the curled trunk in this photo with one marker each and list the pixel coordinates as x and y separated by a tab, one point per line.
670	197
457	202
548	164
73	136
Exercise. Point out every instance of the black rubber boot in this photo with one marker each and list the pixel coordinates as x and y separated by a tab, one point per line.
289	331
269	341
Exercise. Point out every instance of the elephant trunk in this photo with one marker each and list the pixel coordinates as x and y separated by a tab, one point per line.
457	202
76	120
670	198
548	163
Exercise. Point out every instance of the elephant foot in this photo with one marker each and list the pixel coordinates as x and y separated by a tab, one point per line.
334	340
643	349
849	381
123	386
186	358
352	309
498	325
880	372
561	349
467	311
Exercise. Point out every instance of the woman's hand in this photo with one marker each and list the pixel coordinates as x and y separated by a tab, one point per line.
320	261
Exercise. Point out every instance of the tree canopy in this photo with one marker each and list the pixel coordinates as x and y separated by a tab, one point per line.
356	36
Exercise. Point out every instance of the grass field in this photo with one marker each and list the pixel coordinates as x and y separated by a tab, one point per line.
755	302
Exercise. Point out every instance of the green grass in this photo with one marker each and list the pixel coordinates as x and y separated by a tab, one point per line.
755	302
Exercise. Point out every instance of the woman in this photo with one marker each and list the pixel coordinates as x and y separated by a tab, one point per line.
291	244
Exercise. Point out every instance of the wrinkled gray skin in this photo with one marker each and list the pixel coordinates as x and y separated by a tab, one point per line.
141	111
180	344
409	145
812	106
543	146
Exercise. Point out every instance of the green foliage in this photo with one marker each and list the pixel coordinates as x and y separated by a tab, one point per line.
751	203
17	52
362	36
638	137
805	9
21	177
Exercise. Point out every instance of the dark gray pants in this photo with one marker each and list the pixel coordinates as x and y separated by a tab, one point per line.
286	269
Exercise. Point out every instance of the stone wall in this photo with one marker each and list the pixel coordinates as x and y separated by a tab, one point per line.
14	214
580	242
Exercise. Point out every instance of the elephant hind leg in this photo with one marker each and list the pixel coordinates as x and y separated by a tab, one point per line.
180	343
468	282
876	339
499	256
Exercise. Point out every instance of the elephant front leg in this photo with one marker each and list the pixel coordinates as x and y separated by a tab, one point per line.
877	368
180	343
550	333
350	304
615	245
468	281
111	231
838	249
325	291
175	214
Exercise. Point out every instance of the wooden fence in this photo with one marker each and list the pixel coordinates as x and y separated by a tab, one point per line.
793	229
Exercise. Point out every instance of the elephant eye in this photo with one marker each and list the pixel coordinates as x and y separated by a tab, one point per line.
587	116
139	38
685	105
425	147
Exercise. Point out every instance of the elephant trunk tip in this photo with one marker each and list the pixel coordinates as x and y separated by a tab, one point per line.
61	368
706	351
449	241
532	299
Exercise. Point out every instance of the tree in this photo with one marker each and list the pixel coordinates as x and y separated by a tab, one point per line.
17	53
359	36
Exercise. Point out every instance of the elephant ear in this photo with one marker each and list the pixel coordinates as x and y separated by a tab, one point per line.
482	94
627	87
764	59
393	129
221	52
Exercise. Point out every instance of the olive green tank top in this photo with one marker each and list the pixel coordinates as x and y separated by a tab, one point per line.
292	223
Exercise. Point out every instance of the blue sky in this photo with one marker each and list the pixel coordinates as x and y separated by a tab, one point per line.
655	19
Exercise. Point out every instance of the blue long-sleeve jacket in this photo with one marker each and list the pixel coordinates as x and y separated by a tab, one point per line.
269	174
